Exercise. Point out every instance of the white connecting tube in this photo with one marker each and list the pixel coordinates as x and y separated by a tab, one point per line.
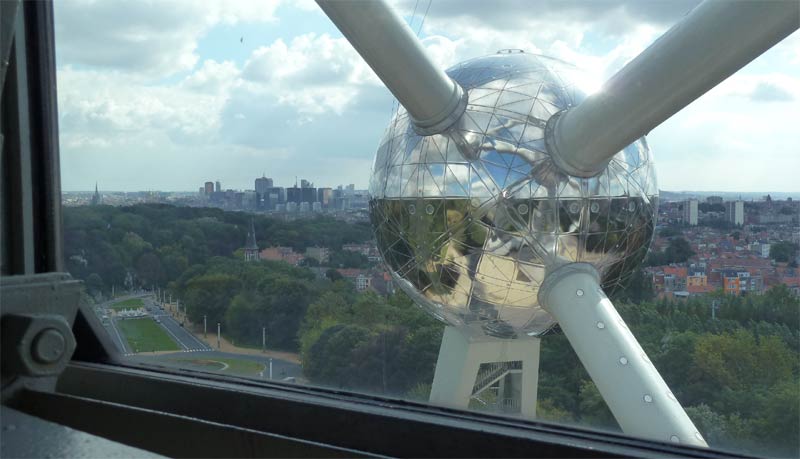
389	46
711	43
633	389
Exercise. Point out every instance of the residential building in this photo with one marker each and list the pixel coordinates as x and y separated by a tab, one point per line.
690	212
321	254
734	212
286	254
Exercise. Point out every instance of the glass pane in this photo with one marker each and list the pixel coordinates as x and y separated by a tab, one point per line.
232	208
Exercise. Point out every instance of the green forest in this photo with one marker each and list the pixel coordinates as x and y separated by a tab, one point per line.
737	375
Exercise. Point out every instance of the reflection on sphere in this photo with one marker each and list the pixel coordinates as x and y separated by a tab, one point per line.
468	220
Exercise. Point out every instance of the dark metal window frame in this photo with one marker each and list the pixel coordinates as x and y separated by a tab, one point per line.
181	412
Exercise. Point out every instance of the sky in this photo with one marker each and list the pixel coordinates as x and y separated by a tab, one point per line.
165	95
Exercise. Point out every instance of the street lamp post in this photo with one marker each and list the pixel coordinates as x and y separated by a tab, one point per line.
263	339
218	335
205	327
270	368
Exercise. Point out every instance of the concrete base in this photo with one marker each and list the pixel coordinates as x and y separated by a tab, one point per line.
460	358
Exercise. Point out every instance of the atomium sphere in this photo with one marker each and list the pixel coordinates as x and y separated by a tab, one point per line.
468	220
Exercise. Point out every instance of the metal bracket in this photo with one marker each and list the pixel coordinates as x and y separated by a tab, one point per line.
36	316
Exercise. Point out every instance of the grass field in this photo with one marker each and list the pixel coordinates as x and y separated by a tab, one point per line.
226	365
144	335
131	303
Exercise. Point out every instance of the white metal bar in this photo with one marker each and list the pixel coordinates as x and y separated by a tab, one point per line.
633	389
711	43
388	45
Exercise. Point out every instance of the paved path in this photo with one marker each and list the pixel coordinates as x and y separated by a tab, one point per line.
281	369
185	340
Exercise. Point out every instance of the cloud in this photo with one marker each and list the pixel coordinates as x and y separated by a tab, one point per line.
151	37
305	104
768	92
117	108
514	13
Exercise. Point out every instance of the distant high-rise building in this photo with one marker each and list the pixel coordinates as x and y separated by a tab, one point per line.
306	184
251	252
209	187
262	184
325	197
714	199
202	191
218	187
734	212
273	197
96	198
293	194
690	212
308	195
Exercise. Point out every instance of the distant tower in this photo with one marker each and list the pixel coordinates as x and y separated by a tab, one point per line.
251	249
96	199
690	212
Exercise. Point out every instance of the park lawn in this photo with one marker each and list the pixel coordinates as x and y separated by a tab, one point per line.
130	303
144	335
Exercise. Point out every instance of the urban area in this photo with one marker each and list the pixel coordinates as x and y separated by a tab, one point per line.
287	284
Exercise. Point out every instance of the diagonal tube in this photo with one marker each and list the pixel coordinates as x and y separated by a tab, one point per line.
433	100
631	386
711	43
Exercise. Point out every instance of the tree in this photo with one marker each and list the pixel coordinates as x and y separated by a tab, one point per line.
333	275
783	251
149	269
329	359
678	250
94	283
209	295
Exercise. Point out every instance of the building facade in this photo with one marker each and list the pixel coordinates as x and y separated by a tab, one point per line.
734	212
690	212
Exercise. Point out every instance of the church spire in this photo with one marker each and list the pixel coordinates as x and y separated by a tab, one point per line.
251	237
96	199
251	247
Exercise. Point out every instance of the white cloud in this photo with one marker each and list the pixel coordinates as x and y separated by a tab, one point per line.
149	37
307	105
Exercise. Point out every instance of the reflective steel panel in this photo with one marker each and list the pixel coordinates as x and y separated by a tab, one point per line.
468	220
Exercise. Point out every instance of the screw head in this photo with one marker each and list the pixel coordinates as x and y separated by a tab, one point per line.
48	346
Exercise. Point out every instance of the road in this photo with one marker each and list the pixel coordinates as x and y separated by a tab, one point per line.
281	369
188	343
185	340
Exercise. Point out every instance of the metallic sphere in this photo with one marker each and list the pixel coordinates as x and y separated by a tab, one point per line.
468	220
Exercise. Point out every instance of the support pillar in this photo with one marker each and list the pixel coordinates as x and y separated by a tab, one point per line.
460	359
